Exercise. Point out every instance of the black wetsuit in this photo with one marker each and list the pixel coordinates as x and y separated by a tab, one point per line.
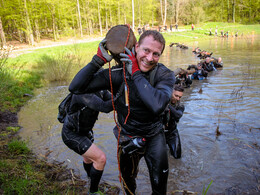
146	102
77	131
207	66
171	118
216	63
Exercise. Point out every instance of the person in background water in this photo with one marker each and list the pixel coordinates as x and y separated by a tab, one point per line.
192	26
171	118
150	89
207	64
199	73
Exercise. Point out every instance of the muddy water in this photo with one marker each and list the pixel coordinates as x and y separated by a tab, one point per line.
228	100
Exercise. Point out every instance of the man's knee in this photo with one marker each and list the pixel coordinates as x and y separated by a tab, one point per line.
102	158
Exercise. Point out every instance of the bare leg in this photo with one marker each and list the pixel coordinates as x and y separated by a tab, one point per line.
95	155
98	158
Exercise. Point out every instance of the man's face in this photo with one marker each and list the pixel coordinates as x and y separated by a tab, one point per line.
148	53
176	96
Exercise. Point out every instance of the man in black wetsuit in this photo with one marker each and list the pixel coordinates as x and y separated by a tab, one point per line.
171	118
150	88
77	132
207	64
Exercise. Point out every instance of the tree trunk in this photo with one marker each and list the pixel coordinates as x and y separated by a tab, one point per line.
80	25
90	27
118	12
54	27
29	32
99	18
234	11
222	8
110	16
106	16
177	7
161	10
2	34
133	15
139	14
227	10
37	31
165	12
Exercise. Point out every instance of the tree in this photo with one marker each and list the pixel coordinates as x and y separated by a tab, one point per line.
165	12
99	18
80	25
29	32
2	34
234	11
177	7
133	15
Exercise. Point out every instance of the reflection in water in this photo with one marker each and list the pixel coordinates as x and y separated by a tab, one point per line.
229	102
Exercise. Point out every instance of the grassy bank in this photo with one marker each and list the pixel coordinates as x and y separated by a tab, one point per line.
20	171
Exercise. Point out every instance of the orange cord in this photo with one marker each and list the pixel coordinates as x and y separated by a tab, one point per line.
115	112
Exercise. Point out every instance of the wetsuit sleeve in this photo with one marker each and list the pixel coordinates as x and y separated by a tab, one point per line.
80	82
94	102
155	98
177	112
106	95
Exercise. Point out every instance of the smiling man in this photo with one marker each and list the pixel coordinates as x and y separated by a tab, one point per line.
139	108
148	52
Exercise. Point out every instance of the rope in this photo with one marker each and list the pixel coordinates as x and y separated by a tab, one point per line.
115	113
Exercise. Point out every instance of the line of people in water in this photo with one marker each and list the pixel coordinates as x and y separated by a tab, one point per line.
200	71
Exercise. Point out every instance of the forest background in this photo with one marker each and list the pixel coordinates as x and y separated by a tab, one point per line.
30	21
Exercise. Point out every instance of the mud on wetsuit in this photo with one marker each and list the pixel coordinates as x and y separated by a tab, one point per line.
146	105
77	131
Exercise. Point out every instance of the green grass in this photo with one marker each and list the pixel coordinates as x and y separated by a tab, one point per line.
21	75
231	27
201	31
17	147
24	175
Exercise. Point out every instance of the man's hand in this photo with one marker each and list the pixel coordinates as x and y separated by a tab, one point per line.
102	52
130	60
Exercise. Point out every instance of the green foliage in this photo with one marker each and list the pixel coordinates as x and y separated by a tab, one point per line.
58	18
56	67
204	192
13	129
17	147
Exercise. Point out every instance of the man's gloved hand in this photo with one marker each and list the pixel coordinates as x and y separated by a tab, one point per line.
102	52
130	60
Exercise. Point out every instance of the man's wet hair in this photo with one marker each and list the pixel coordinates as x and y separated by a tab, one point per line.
156	35
178	88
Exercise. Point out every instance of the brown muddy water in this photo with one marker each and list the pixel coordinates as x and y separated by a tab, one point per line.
228	100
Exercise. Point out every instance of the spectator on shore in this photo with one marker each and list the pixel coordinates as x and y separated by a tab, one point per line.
222	33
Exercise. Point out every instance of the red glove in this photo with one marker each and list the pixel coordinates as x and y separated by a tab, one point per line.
102	52
131	62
